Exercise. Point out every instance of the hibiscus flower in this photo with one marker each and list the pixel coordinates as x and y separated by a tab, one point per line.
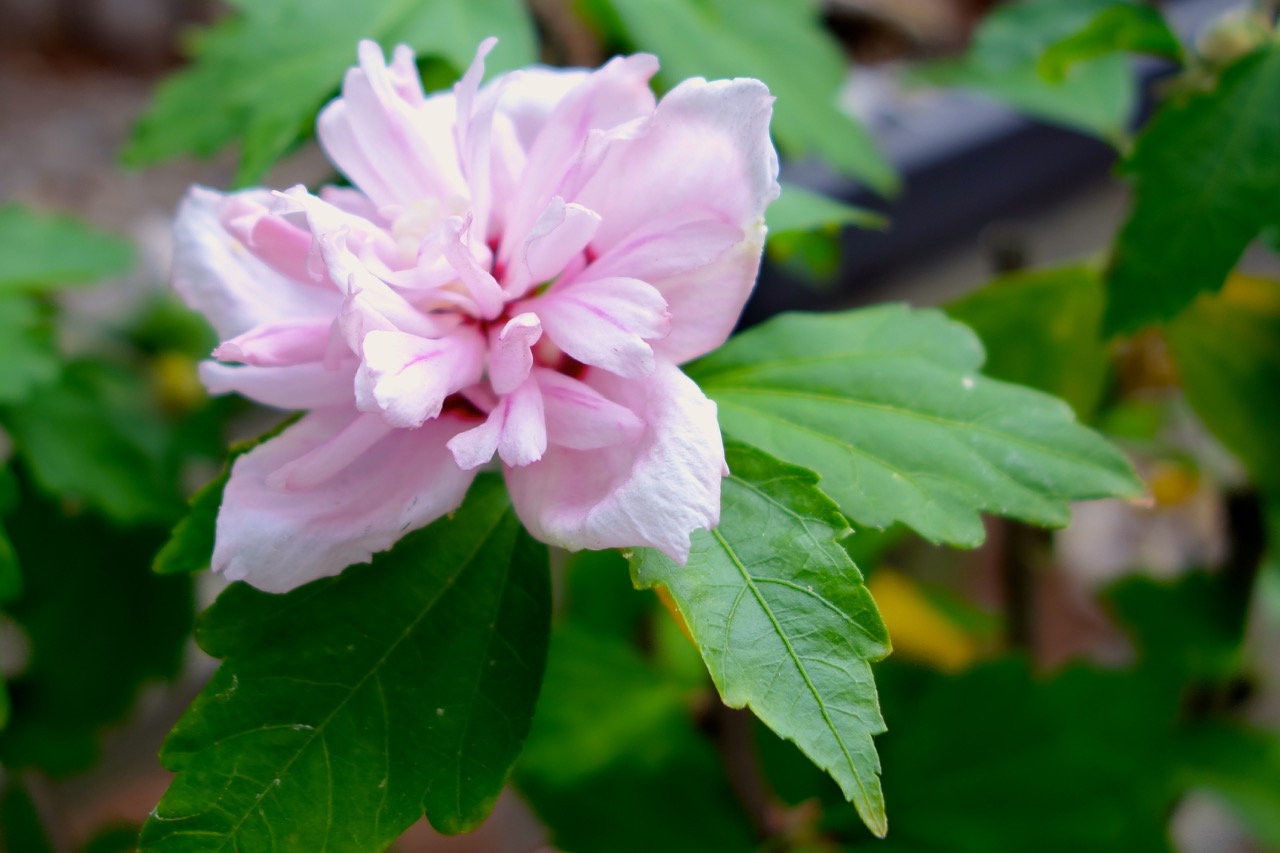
516	273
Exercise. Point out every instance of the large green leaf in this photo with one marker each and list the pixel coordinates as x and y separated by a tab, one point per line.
1227	349
778	41
347	707
260	77
1207	180
614	763
783	620
887	405
1095	95
1043	329
39	250
98	624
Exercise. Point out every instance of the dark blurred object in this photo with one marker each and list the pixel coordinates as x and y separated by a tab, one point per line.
143	35
878	30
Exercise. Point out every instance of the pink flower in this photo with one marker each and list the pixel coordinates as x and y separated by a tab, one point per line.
517	273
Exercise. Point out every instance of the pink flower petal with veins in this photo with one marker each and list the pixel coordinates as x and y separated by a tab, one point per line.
653	491
280	539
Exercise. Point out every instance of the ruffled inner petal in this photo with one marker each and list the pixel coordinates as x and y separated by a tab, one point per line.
407	378
515	430
581	418
606	323
511	353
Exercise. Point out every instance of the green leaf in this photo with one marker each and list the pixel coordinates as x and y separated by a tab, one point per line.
1240	767
347	707
716	39
261	76
1096	95
798	209
1122	28
10	573
614	763
26	349
1187	631
783	620
1206	181
190	546
39	250
997	760
20	825
1227	350
99	625
887	405
96	436
1043	329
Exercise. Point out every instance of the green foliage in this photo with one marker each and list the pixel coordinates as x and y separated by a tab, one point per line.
1043	329
260	77
783	620
614	763
190	545
20	827
887	405
37	253
804	227
347	707
1227	349
99	624
778	41
1206	181
1241	768
996	760
999	758
26	349
41	251
1095	95
798	209
1123	27
97	437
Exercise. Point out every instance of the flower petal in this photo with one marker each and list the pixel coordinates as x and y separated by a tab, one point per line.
511	354
613	95
218	275
277	541
278	344
559	236
705	303
604	323
516	430
705	146
704	157
299	386
484	289
652	492
580	417
392	142
407	378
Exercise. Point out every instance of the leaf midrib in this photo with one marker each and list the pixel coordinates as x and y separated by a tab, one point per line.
795	659
481	543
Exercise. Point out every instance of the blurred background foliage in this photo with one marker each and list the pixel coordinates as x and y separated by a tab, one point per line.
1113	686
